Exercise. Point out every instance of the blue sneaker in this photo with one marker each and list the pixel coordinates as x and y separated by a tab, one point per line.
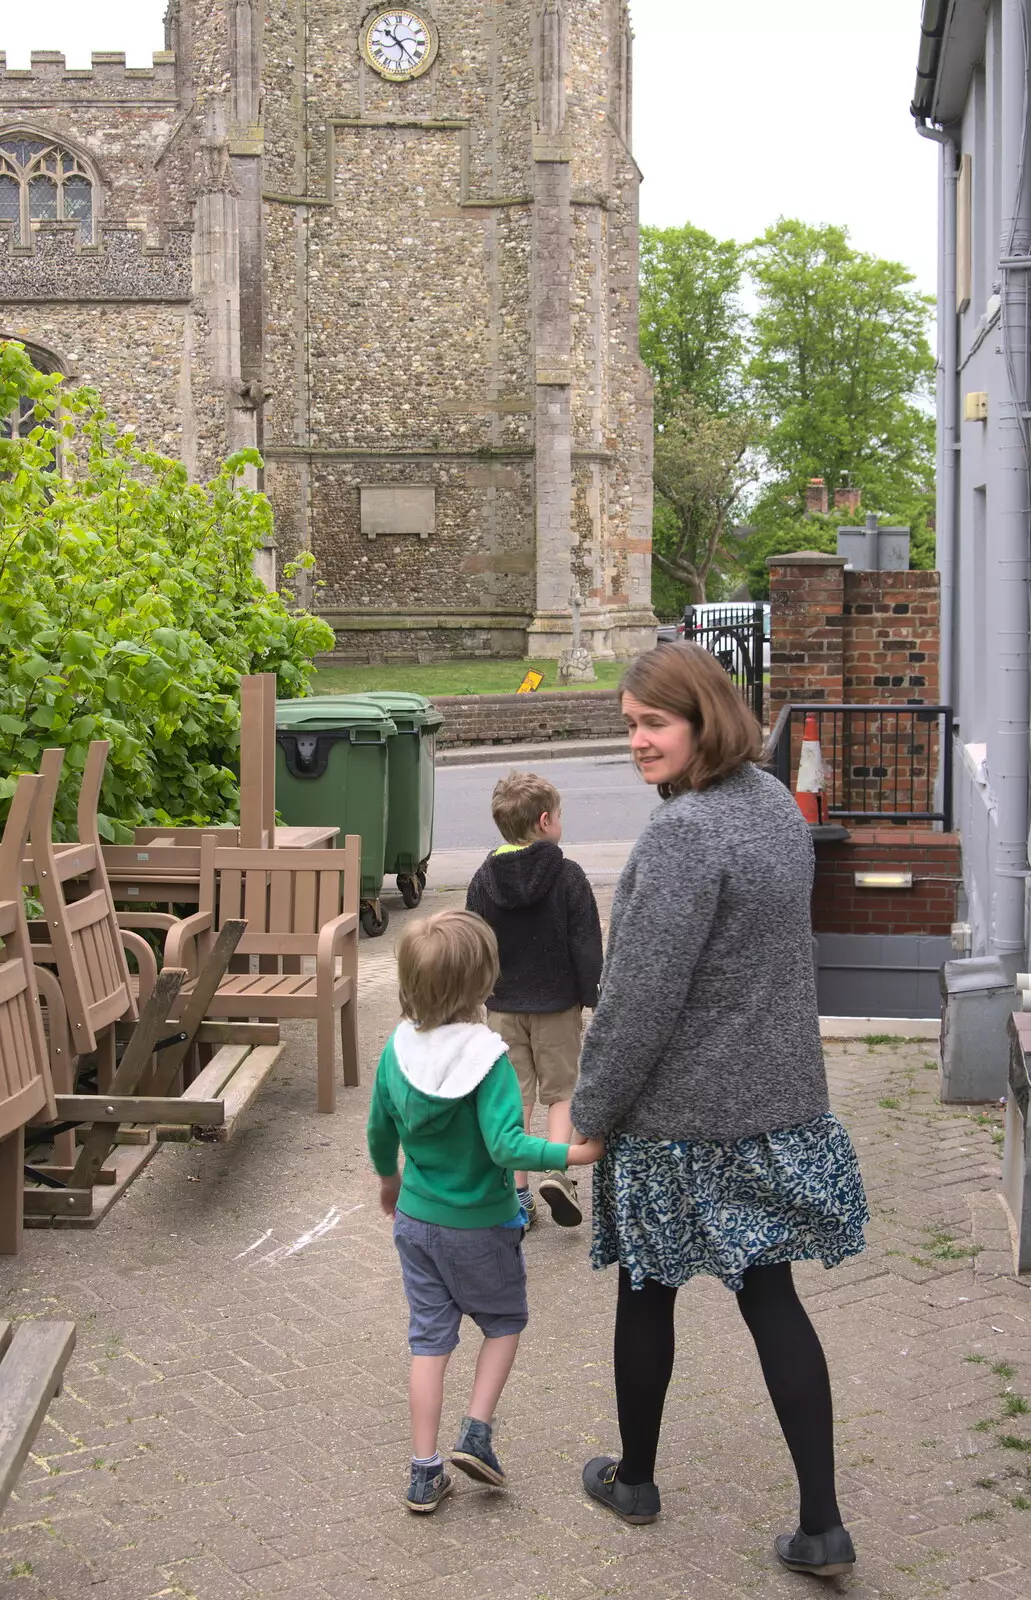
474	1453
429	1486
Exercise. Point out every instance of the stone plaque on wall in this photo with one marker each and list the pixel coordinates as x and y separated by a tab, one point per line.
392	508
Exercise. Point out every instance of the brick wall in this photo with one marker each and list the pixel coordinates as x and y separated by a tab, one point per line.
891	636
851	636
865	638
528	718
928	908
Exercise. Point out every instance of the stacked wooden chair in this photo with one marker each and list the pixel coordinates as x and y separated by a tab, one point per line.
133	1033
26	1086
34	1354
293	907
130	1052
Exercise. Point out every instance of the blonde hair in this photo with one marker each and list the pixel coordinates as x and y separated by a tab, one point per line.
688	682
518	803
447	965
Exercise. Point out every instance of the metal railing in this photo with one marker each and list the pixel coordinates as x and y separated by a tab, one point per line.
882	763
735	634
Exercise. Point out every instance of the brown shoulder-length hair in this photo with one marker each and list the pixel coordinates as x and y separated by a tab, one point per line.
687	681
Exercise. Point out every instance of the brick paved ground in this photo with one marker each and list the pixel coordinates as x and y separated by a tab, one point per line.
234	1422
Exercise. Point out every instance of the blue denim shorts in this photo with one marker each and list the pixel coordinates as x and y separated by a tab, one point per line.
449	1273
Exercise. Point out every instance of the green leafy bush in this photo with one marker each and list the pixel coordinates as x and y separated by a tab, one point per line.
129	609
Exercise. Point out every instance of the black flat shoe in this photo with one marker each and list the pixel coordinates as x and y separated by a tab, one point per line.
824	1555
633	1502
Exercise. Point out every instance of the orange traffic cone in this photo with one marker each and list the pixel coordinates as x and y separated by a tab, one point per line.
810	782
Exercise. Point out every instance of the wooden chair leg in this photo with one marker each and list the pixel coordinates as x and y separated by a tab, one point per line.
12	1164
107	1059
62	1065
349	1042
326	1050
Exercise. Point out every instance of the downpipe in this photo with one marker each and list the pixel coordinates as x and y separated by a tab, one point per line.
1009	543
947	498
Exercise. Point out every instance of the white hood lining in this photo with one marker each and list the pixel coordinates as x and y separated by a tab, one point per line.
449	1062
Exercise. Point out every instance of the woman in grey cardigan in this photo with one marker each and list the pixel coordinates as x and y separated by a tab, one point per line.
703	1070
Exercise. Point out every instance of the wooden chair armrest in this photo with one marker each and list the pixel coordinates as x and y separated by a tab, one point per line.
146	961
331	939
152	921
180	945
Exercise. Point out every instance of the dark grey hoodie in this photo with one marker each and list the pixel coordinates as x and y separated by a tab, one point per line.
543	911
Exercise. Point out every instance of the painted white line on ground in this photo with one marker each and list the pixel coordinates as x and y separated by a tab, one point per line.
330	1221
266	1235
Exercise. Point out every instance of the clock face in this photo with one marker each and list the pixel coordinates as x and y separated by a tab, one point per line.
399	44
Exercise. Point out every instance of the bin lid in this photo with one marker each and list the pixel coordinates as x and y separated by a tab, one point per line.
975	975
333	713
408	710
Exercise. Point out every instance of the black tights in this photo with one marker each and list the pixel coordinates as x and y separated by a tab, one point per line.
793	1365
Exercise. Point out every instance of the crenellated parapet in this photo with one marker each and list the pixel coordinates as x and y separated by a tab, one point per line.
49	79
57	266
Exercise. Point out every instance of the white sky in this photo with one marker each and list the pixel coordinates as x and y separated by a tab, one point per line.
745	110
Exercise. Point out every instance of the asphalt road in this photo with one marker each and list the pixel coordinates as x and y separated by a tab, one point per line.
602	799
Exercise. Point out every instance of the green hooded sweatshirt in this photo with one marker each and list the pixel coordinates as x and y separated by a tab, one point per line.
450	1098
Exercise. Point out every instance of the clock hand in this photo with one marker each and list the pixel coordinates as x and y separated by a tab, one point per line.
401	45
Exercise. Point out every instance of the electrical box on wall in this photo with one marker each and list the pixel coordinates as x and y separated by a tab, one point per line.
975	406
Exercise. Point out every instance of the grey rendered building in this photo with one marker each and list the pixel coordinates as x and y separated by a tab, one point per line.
972	97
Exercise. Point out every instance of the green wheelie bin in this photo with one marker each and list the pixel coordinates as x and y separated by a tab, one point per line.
331	769
410	784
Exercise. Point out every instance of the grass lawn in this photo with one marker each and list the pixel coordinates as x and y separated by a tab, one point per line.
455	677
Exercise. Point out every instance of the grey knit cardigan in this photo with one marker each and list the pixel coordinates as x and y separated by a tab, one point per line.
707	1026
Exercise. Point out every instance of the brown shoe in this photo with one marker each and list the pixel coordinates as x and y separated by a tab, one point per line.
559	1192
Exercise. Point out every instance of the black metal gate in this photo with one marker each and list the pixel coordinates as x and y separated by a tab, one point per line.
736	636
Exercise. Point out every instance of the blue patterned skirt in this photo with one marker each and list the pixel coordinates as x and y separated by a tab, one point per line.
668	1209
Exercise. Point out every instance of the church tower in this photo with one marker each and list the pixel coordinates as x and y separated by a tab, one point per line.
396	248
458	424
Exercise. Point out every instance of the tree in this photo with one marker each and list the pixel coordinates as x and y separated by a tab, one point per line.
129	608
703	465
692	324
842	371
693	341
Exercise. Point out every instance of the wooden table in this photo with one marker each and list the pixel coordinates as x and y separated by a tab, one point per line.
168	883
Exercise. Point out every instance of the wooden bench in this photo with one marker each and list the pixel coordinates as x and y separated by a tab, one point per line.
33	1357
294	908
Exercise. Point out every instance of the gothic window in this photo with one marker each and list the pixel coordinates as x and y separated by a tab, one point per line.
40	182
21	419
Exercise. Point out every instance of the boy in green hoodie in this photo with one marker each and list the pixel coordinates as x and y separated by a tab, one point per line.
447	1094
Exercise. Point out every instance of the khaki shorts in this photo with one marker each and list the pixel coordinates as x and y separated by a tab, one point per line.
544	1048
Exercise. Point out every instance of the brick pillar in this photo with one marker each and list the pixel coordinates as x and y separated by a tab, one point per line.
807	594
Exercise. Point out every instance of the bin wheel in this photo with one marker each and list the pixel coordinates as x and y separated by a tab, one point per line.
421	875
374	919
411	890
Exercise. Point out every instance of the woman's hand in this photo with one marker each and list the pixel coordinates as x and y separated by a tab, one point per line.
389	1189
585	1151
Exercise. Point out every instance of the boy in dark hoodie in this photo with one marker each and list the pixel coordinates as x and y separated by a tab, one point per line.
446	1093
544	914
